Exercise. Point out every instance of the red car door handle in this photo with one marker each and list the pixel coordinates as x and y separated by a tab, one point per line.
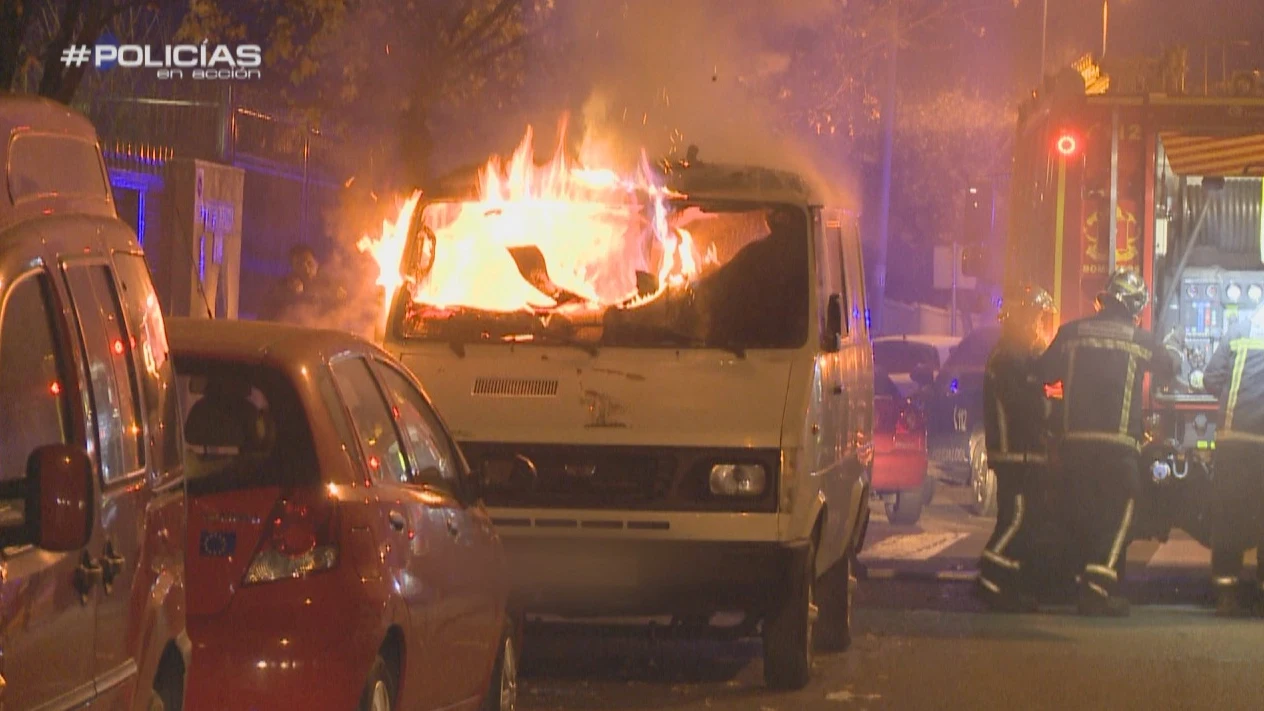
398	522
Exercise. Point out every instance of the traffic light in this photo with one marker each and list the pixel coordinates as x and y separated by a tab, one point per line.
978	217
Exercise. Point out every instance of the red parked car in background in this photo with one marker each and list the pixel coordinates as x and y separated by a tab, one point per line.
899	464
339	555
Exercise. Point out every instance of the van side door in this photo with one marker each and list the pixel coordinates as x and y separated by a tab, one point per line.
858	348
122	460
47	600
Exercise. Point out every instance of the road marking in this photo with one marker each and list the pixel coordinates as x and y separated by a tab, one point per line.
912	546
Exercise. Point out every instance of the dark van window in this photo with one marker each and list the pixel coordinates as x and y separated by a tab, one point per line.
33	401
244	427
111	370
152	361
34	407
43	165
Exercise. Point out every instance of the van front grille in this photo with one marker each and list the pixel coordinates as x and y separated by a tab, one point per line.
515	387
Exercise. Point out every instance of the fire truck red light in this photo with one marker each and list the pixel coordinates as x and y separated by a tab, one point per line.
118	347
1067	144
55	388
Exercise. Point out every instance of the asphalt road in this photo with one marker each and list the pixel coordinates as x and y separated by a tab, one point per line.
921	642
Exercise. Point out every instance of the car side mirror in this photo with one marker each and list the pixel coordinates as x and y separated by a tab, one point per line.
834	323
923	375
59	498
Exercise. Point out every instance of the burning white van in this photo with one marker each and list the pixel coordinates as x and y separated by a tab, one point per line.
664	383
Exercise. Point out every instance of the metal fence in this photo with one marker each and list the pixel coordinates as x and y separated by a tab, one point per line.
293	171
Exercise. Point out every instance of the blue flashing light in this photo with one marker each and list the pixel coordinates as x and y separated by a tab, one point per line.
868	319
954	386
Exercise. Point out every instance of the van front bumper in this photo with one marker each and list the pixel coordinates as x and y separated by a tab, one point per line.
605	577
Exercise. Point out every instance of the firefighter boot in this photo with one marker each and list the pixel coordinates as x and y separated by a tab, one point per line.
1003	600
1229	599
1092	603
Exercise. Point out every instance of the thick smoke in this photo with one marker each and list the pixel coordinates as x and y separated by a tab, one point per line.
661	75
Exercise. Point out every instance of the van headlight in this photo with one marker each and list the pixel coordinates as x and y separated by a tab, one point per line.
738	479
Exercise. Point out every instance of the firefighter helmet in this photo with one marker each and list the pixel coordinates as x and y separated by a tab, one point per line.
1029	303
1126	288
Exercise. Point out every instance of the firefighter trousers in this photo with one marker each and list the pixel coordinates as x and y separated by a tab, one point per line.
1238	505
1007	553
1103	482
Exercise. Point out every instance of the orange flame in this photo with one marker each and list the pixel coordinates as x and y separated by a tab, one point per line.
593	228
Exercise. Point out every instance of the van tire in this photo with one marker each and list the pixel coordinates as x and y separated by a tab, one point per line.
833	627
381	681
907	508
787	629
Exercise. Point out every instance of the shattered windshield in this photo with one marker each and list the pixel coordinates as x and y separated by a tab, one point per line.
672	273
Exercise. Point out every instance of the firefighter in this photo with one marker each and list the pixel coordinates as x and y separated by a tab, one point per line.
1015	428
1101	362
1235	375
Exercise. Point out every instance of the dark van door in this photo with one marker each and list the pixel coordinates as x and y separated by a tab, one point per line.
47	602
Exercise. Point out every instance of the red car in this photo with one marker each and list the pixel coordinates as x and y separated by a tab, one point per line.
339	555
899	463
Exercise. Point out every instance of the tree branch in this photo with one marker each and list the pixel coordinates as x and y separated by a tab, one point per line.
14	21
484	58
485	26
54	70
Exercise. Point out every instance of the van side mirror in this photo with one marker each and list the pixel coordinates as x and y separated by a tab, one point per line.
834	323
923	375
59	498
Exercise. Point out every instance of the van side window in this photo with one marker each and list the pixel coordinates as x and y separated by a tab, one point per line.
34	408
111	370
379	440
830	266
435	461
152	359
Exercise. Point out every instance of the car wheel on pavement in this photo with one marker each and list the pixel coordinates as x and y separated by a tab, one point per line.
833	627
907	508
379	691
502	691
788	629
982	480
929	486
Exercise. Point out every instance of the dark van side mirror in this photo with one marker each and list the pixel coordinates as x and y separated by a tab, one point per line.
923	375
834	323
59	498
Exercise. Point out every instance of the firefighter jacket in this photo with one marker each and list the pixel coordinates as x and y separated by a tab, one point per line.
1014	407
1101	362
1236	375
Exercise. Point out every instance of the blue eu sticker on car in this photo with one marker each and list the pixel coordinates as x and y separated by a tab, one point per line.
217	544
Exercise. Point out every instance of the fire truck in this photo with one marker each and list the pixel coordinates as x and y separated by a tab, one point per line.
1135	170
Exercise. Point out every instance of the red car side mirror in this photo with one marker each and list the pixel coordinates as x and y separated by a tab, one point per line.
59	498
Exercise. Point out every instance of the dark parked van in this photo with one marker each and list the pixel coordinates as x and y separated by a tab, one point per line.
92	511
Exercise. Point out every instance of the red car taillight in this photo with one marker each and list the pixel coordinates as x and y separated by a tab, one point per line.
301	538
910	419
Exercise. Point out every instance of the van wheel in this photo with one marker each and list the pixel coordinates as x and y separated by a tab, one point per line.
907	508
788	629
833	629
502	690
982	479
379	690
